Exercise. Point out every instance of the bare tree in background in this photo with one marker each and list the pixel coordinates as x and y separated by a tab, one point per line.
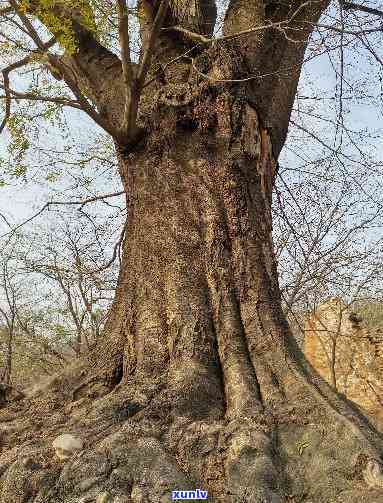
8	312
71	259
327	245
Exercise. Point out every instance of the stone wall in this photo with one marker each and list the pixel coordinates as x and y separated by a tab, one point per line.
346	354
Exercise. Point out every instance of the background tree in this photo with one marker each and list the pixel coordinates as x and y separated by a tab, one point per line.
196	342
326	245
8	310
58	307
70	260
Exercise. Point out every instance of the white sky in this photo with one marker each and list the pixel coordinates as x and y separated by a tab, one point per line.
20	200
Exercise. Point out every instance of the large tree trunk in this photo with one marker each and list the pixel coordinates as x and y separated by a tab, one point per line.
196	335
199	262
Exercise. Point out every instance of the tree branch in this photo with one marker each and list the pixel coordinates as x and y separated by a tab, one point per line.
87	62
60	203
13	66
291	24
6	10
86	106
204	40
133	85
347	32
362	8
28	25
38	97
123	30
156	28
197	37
6	71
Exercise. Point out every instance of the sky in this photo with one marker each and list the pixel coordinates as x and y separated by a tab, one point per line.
19	200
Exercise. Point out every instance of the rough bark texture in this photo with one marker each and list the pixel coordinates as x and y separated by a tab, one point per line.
199	383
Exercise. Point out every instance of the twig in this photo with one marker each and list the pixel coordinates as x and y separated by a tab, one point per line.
60	203
37	97
5	220
204	40
348	32
6	10
28	25
191	34
6	71
362	8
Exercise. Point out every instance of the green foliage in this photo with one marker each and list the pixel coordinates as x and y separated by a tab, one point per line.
20	170
63	334
52	176
3	183
17	147
50	12
19	143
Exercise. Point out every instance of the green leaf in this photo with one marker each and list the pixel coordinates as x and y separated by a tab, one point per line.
19	170
52	177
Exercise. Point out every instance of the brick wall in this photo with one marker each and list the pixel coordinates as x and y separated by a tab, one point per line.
346	354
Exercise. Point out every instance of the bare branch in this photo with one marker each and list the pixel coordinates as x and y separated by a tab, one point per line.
134	87
28	25
197	37
116	250
145	63
204	40
362	8
6	71
275	25
348	32
62	203
15	95
5	220
123	30
96	198
6	10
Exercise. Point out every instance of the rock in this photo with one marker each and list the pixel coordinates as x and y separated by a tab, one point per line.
105	497
75	408
137	495
66	445
373	474
358	354
41	386
87	484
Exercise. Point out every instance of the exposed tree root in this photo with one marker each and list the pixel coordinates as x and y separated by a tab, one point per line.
140	449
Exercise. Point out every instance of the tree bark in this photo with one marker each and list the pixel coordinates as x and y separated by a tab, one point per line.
9	356
197	321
